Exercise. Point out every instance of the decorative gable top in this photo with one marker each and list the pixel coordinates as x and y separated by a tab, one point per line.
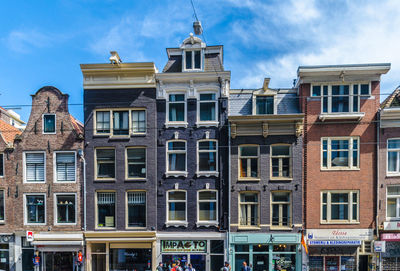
192	42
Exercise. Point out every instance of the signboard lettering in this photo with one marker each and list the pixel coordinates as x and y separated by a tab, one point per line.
334	243
342	234
184	246
391	225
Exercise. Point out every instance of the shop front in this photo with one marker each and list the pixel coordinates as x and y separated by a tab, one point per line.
335	250
391	255
117	251
6	251
265	252
206	252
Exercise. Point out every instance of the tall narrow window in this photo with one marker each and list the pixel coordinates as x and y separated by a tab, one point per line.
139	121
66	212
35	209
34	167
106	209
2	206
207	156
248	161
193	60
207	107
341	206
176	107
49	124
103	122
65	166
281	211
1	165
176	156
105	159
339	153
121	122
393	202
393	156
281	161
207	207
137	209
136	163
176	206
264	105
248	209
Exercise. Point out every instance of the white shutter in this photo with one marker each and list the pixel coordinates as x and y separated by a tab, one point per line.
34	166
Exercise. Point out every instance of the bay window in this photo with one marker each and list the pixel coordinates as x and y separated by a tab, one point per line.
136	209
340	153
105	209
248	161
248	209
207	206
340	206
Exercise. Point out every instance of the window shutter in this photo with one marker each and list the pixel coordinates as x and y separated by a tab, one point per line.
65	166
34	166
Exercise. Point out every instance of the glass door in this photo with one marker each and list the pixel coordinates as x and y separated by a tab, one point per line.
332	263
260	262
198	262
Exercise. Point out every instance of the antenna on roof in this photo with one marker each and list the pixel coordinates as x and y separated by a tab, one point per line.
198	30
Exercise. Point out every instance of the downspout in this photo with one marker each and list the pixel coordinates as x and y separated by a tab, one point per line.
229	188
84	188
378	125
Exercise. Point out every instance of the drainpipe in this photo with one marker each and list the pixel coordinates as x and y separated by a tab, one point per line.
81	155
378	125
229	188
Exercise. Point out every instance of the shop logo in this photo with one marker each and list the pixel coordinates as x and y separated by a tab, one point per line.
188	246
310	236
29	236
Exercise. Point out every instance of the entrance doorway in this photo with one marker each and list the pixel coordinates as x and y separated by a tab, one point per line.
58	261
198	261
332	263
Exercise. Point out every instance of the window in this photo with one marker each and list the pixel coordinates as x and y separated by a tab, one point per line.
66	209
281	209
340	98
137	209
207	107
207	206
136	163
207	156
193	60
139	121
393	149
34	167
65	166
340	206
103	122
264	105
1	165
105	209
176	156
105	160
176	108
281	161
340	153
35	209
121	122
248	161
176	201
49	124
2	206
393	202
248	209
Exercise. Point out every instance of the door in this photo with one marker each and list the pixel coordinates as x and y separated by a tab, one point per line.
198	262
260	262
363	265
58	261
332	263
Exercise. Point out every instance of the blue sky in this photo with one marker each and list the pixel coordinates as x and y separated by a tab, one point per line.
43	42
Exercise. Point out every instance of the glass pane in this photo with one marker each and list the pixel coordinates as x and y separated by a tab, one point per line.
285	167
275	214
339	211
393	190
275	167
280	196
241	248
392	161
264	105
1	204
207	161
207	111
207	211
243	167
98	247
207	145
177	162
177	211
137	214
248	197
355	89
208	195
316	91
249	151
324	212
176	195
280	150
103	122
325	104
176	112
394	144
364	89
177	146
121	122
130	259
217	246
391	207
49	123
177	97
188	58
105	154
197	60
136	162
207	97
254	168
65	209
340	90
340	104
1	165
216	262
99	262
139	121
260	262
340	158
342	197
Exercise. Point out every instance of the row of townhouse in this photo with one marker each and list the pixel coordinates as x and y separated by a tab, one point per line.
176	165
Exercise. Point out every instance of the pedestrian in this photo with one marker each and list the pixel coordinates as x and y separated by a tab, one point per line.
160	267
245	267
190	268
226	267
173	268
178	266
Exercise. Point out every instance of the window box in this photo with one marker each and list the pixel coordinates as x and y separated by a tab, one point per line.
342	116
340	207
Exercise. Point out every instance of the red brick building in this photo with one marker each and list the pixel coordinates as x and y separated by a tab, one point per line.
340	104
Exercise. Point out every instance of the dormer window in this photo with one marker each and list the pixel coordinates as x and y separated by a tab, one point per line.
264	105
49	124
193	60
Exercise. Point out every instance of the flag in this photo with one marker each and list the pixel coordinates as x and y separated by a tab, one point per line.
303	242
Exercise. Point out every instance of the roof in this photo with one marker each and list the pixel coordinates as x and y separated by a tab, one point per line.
393	100
212	63
8	132
78	126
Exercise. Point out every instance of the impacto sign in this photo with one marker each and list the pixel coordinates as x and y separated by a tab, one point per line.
184	246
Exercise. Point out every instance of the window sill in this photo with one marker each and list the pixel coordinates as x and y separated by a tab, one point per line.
135	179
104	180
207	224
25	181
388	175
65	224
119	137
393	219
339	223
340	169
341	116
176	174
65	182
176	224
102	135
249	179
105	228
48	133
280	179
207	124
176	124
138	134
273	228
249	228
207	174
136	228
35	224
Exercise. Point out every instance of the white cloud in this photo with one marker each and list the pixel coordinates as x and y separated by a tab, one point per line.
22	41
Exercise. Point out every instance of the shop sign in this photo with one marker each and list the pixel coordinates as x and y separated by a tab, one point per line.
340	234
29	236
380	246
334	242
391	225
390	236
184	246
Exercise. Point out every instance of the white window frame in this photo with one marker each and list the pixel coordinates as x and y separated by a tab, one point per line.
127	209
2	164
55	167
280	157
127	163
176	173
55	124
281	203
26	211
95	164
96	206
131	121
25	168
207	173
207	222
4	205
176	223
392	173
350	207
183	123
249	157
207	123
391	218
254	104
95	122
193	63
350	151
56	212
249	203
